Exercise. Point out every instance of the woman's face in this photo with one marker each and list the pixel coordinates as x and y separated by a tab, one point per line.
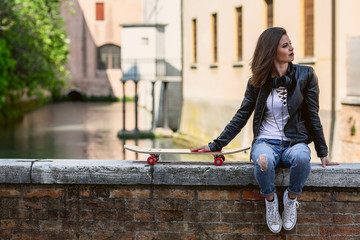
285	51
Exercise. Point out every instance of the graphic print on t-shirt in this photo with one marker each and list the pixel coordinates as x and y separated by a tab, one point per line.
275	116
282	94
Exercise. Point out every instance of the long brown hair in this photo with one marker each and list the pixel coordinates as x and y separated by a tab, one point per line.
264	55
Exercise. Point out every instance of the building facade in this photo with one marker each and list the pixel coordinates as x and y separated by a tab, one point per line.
151	56
95	43
108	36
219	38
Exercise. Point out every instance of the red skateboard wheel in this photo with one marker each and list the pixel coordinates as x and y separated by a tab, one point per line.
151	160
218	161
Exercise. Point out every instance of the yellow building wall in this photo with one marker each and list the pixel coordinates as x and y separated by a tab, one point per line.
347	26
212	95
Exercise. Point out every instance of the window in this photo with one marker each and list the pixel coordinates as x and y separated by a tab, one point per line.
100	16
270	13
214	37
309	28
109	57
239	34
145	41
352	68
194	38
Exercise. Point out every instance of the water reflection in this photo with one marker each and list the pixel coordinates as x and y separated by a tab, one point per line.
76	131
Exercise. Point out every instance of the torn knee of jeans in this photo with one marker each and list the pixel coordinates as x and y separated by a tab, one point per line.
262	161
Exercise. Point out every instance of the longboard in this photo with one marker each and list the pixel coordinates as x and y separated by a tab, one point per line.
154	153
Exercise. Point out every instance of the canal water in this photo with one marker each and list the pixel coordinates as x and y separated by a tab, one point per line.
77	130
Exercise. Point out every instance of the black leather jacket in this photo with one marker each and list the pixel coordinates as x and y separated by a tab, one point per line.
303	107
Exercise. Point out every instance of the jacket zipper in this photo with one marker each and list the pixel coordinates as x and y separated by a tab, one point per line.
288	115
258	128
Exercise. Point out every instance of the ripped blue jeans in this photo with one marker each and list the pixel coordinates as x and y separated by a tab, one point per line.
267	154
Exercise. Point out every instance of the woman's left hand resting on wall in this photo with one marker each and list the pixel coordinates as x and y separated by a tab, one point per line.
325	162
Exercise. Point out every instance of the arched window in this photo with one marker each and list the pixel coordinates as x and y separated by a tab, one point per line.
109	57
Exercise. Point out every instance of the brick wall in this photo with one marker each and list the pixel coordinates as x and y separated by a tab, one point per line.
123	199
82	211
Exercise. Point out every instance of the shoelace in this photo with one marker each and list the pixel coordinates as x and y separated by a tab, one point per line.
291	207
273	214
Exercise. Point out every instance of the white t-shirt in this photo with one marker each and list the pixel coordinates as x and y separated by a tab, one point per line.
275	116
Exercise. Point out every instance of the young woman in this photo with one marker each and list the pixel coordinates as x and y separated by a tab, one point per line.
285	100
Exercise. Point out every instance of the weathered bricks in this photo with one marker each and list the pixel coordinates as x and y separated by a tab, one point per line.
130	193
315	197
43	192
348	196
174	193
9	193
218	195
36	211
251	195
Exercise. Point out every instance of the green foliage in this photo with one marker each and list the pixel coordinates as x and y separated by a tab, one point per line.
100	98
86	98
33	49
136	135
12	113
7	65
353	130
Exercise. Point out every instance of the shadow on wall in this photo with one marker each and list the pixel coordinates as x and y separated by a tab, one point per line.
171	70
84	65
131	74
172	104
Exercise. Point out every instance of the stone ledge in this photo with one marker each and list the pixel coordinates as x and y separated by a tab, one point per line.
127	172
15	170
351	100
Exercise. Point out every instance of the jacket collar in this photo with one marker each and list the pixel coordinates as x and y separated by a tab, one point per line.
284	81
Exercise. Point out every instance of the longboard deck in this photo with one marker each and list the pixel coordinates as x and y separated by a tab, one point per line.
180	151
155	153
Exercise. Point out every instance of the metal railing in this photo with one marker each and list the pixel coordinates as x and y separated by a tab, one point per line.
136	69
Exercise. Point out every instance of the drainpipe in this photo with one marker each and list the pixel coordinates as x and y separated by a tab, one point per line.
333	76
182	47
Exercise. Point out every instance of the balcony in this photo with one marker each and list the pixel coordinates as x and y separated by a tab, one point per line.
149	69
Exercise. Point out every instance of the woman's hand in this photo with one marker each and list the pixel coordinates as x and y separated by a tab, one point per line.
201	149
325	162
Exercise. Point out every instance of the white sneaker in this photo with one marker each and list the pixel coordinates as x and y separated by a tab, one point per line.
273	218
289	215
